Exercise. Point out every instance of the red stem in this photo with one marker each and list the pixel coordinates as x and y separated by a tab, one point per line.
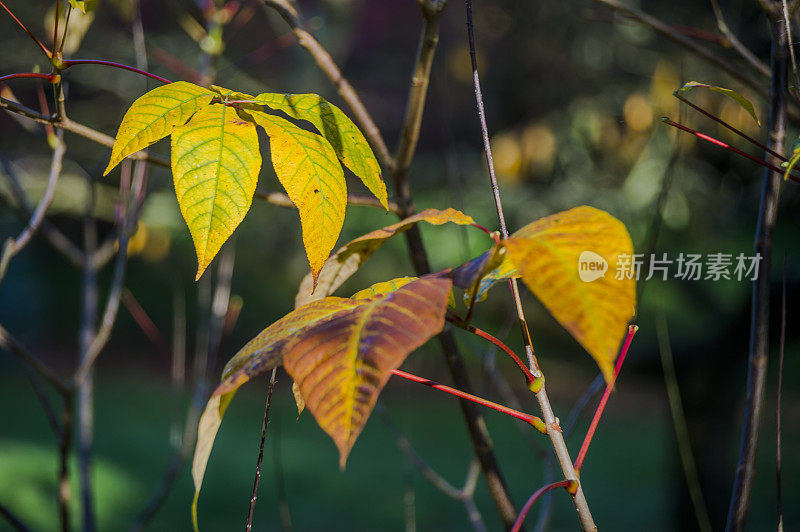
729	147
486	336
723	123
536	422
26	30
48	77
538	493
610	386
72	62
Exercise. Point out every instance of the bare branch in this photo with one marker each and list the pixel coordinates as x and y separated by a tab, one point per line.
326	63
13	246
737	45
759	324
553	430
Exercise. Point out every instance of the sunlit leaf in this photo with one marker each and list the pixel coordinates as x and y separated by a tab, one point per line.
347	259
215	165
342	364
85	6
155	115
308	169
596	310
746	104
347	140
259	355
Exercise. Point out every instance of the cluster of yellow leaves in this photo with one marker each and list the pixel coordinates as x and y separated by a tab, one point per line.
216	159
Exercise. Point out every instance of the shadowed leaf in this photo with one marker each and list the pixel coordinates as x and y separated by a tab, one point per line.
308	169
215	165
596	311
343	363
346	261
154	115
746	104
347	141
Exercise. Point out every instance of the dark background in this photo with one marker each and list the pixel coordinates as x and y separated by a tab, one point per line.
573	96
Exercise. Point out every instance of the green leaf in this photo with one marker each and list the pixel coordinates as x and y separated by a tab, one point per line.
793	159
746	104
215	165
155	115
594	308
347	140
346	261
342	364
308	169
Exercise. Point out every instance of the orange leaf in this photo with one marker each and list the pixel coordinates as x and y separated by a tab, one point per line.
343	363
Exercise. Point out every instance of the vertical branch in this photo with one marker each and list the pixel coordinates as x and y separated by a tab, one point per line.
64	446
553	431
778	486
85	390
254	496
759	321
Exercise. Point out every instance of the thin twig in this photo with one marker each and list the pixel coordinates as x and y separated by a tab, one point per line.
12	519
15	245
687	43
681	429
11	345
533	498
759	324
249	524
328	66
737	45
778	483
85	385
553	431
41	46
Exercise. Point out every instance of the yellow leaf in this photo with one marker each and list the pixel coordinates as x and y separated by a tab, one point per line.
596	310
746	104
347	259
308	169
154	116
85	6
342	364
344	136
215	165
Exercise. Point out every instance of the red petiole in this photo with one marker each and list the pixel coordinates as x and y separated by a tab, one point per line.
610	386
534	421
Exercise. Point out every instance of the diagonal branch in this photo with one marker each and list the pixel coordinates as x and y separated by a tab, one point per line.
553	430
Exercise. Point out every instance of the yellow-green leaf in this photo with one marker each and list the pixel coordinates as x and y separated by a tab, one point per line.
347	140
746	104
215	165
384	287
347	259
154	115
341	365
591	303
86	6
259	355
308	169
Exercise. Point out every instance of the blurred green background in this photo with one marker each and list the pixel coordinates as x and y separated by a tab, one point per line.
574	95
